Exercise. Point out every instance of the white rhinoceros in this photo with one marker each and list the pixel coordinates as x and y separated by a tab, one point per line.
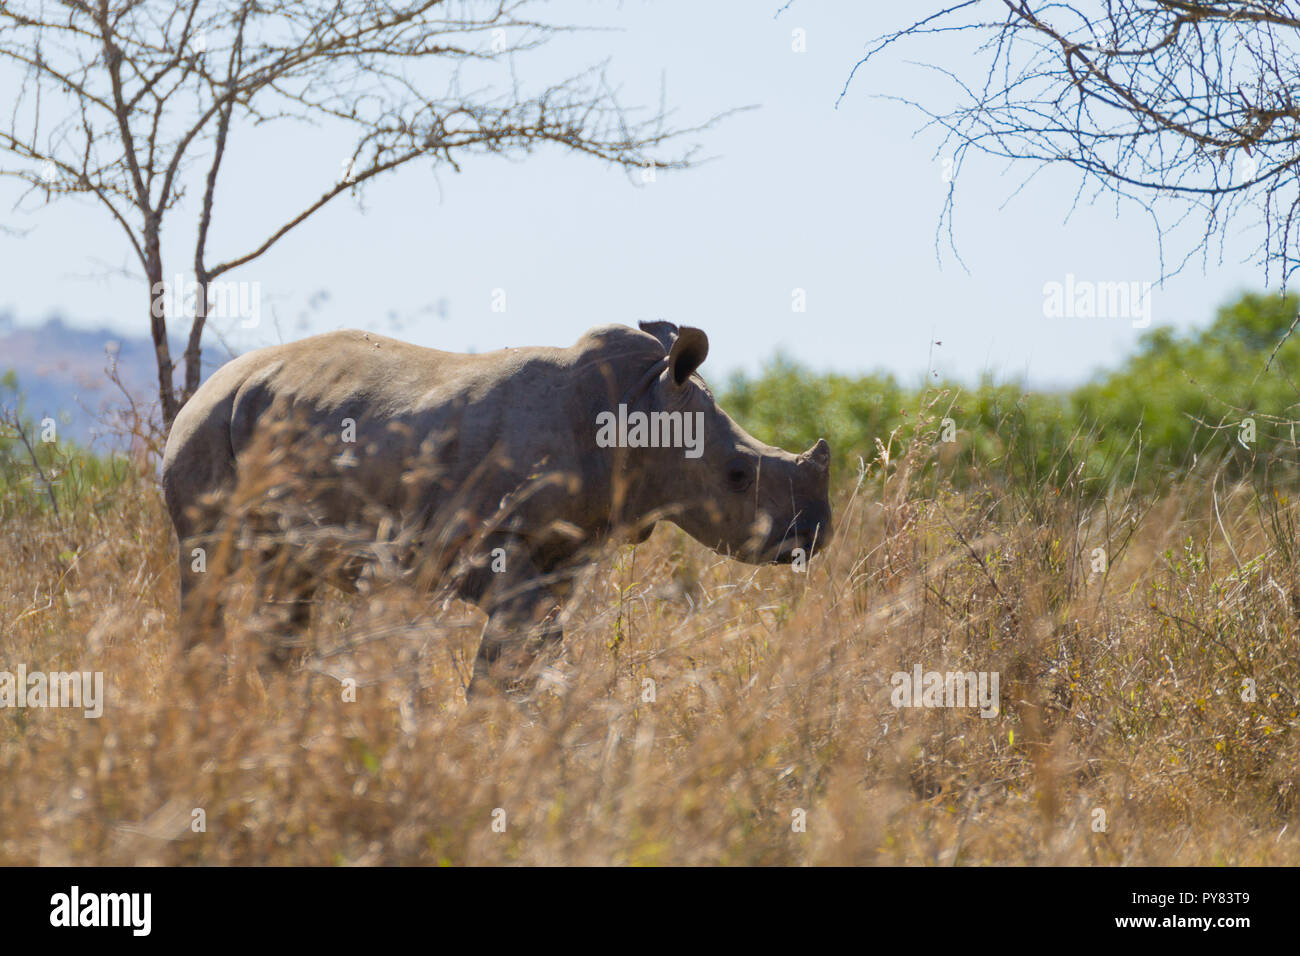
494	475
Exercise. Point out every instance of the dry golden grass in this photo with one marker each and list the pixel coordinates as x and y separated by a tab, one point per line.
1120	692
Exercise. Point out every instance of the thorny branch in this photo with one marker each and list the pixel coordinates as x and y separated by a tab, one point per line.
1186	107
121	100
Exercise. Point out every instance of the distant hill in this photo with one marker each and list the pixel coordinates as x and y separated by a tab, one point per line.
62	373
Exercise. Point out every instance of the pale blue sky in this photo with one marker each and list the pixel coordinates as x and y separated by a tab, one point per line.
843	203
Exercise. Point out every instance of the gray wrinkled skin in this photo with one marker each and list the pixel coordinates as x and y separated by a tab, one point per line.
458	455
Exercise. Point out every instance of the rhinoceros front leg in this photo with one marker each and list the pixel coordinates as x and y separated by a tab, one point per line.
522	634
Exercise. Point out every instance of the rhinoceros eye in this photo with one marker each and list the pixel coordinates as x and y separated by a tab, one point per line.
739	474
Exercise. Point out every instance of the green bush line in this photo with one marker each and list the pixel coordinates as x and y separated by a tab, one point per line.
77	477
1179	401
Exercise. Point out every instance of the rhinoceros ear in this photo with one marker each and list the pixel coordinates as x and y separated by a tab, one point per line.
665	332
688	353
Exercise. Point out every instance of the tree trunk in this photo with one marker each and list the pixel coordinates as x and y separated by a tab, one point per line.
194	348
158	324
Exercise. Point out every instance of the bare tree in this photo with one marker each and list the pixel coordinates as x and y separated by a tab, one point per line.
1187	107
137	102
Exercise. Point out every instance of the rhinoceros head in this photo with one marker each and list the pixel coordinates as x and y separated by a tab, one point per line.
718	483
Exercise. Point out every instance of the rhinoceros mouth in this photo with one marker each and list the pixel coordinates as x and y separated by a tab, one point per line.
785	554
785	551
801	541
